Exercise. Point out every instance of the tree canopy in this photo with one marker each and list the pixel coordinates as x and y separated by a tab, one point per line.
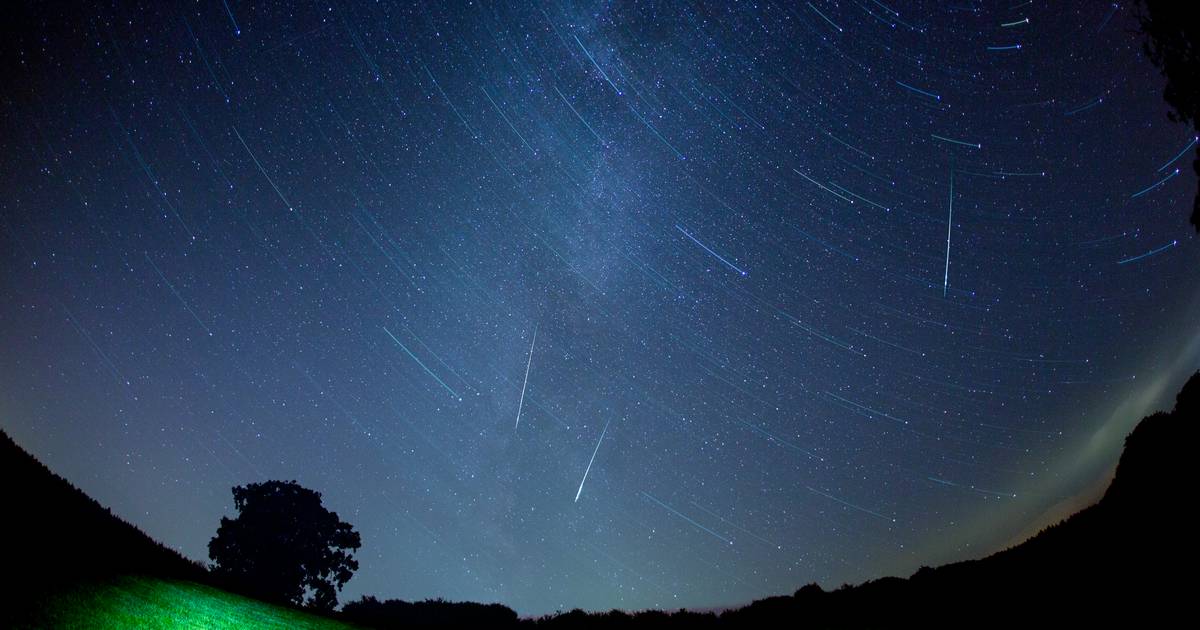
1172	40
284	545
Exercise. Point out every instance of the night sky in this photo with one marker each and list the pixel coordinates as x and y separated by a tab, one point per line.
594	305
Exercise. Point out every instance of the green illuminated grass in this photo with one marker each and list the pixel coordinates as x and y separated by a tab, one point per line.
143	602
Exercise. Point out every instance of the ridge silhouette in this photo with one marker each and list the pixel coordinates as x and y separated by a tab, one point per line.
1121	560
56	535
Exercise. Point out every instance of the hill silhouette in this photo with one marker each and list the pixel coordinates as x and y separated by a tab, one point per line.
55	532
1118	561
56	536
73	563
1122	560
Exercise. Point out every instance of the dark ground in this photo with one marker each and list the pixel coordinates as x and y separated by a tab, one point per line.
1121	561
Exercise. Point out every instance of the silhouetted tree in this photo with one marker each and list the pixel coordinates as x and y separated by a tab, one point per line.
1172	35
284	545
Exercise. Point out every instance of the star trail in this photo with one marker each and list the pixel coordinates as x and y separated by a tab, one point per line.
595	304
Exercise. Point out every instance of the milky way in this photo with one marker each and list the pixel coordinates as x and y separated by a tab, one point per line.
822	291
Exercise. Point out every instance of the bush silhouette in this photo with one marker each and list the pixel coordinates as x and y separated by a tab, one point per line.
284	546
394	613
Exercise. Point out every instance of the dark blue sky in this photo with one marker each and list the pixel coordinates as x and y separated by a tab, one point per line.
821	291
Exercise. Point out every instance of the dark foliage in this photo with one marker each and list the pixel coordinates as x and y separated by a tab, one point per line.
394	613
1121	562
620	619
56	535
284	546
1172	36
1113	564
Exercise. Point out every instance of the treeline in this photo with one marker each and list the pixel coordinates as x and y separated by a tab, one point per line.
1117	562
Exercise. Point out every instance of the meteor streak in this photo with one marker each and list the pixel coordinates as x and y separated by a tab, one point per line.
949	226
423	366
589	466
715	254
528	364
237	30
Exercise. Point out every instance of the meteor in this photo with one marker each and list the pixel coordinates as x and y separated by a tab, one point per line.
423	366
715	254
528	364
949	226
589	466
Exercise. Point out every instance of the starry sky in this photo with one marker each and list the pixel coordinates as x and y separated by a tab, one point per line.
599	304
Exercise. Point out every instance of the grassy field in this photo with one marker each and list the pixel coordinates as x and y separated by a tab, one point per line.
143	602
